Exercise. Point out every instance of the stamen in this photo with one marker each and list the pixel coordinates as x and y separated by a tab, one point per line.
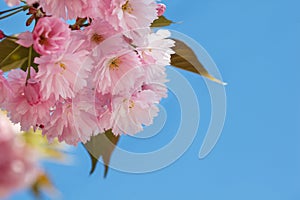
127	7
43	40
131	104
63	66
97	38
115	64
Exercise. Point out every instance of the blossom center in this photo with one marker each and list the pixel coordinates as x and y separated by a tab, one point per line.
62	65
127	7
43	40
115	64
131	104
97	38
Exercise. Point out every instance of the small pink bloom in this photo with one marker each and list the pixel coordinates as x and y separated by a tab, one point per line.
17	2
50	35
32	92
155	54
118	74
18	163
63	74
103	110
97	32
72	9
161	8
159	47
2	35
131	113
131	14
72	121
26	104
12	2
5	89
25	39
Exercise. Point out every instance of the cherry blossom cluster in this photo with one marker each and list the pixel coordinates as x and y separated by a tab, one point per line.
105	71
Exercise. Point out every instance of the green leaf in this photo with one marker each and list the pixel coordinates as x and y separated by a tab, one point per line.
14	56
101	145
185	58
161	21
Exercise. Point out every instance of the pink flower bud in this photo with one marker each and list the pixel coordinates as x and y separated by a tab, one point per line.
25	39
2	35
161	8
32	92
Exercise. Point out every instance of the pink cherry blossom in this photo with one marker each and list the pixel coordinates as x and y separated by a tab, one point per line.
157	46
12	2
72	9
63	74
17	2
72	121
97	32
18	163
5	89
131	14
103	111
26	104
50	35
155	54
108	74
117	74
131	113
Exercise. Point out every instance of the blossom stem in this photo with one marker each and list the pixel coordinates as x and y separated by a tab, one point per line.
10	10
29	64
23	8
11	37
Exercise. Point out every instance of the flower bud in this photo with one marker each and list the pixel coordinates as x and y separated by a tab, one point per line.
2	35
161	8
32	92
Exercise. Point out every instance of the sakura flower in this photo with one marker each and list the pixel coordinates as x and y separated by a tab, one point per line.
118	74
5	89
17	2
103	111
12	2
26	104
131	113
72	121
97	32
63	74
18	163
72	9
157	46
155	54
131	14
50	35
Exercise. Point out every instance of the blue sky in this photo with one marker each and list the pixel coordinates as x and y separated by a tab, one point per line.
256	45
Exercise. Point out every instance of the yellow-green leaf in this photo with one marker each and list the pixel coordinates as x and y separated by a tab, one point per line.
14	56
185	58
101	145
161	21
47	150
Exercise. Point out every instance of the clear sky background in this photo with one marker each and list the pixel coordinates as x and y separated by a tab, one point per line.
256	45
